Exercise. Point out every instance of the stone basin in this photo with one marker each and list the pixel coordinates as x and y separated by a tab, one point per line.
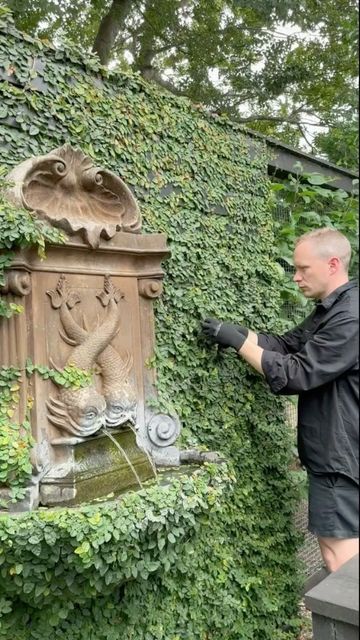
97	468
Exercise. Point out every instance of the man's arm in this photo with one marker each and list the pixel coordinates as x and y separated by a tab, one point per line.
252	337
325	356
289	342
252	353
242	339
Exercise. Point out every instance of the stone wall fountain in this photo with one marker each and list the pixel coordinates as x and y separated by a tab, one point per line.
88	305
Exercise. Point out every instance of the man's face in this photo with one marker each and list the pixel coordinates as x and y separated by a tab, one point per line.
312	273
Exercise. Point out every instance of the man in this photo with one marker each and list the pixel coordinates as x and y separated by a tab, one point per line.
318	361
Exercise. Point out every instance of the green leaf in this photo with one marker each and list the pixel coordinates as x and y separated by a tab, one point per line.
34	130
161	543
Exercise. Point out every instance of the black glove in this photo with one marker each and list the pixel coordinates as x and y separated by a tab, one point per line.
224	333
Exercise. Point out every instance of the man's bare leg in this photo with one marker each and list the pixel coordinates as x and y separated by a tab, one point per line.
337	551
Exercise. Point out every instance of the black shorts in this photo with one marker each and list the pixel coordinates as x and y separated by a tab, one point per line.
333	506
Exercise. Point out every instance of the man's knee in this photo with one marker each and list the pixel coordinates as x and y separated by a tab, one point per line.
335	552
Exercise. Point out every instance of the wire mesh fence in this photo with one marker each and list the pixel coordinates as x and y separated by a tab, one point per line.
309	552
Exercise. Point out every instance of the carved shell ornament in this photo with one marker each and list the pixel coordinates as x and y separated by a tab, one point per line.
69	191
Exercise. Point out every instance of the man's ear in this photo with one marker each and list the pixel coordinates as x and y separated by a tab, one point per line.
334	264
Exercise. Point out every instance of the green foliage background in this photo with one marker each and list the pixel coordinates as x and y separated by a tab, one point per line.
226	569
277	66
307	203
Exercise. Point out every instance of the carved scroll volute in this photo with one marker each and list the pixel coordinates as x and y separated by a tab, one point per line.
150	288
13	333
17	283
69	191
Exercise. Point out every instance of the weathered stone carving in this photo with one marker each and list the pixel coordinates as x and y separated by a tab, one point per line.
117	386
82	412
13	333
158	436
163	429
86	321
150	288
65	188
16	282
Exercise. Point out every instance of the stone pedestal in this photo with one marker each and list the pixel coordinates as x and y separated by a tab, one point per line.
334	604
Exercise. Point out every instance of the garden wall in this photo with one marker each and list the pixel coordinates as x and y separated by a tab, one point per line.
228	571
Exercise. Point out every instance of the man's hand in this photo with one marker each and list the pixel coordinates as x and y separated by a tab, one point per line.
224	333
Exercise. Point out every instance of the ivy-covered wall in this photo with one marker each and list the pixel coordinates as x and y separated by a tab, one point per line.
213	557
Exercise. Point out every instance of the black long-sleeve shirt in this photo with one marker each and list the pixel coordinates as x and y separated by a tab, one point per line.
318	361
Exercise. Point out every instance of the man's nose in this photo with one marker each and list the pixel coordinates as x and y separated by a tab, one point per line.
296	277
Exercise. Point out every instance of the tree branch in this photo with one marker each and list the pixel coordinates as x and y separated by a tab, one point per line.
151	74
290	119
302	132
109	28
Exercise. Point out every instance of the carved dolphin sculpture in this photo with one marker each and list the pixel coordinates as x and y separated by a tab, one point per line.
118	390
81	412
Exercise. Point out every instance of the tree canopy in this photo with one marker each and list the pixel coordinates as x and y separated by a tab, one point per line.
279	66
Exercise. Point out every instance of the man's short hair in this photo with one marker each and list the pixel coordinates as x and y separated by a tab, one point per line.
329	243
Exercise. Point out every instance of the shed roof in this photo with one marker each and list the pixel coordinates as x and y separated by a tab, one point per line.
284	157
